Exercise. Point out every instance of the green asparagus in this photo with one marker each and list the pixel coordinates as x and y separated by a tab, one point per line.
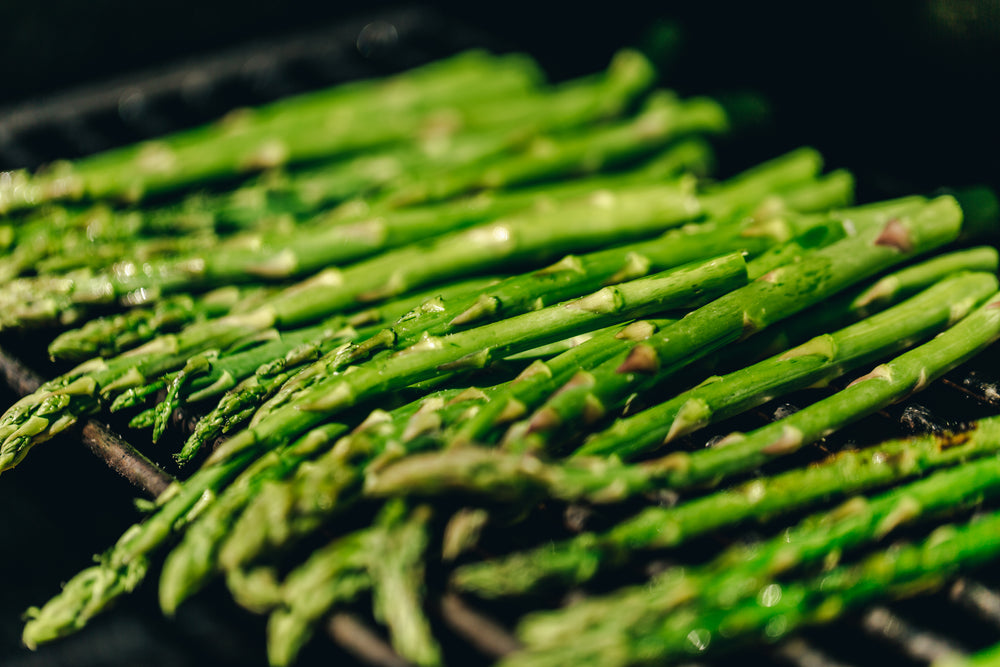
276	134
772	297
841	475
781	608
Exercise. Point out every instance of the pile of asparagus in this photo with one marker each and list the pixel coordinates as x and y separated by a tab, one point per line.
411	313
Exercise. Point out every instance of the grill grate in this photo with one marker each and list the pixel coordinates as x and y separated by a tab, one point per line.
964	618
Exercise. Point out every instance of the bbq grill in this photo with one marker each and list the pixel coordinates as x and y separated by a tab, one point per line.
64	504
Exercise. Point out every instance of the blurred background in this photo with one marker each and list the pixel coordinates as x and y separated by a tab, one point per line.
898	91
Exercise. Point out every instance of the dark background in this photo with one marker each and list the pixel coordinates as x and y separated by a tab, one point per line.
900	92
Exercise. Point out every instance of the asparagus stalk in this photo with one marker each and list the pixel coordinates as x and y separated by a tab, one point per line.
115	334
475	348
120	569
286	131
39	300
512	477
663	120
780	609
286	373
856	303
262	211
768	299
887	383
59	403
841	475
890	381
385	557
332	575
742	571
206	376
269	363
281	132
289	511
814	362
575	275
192	562
395	549
59	239
515	402
203	377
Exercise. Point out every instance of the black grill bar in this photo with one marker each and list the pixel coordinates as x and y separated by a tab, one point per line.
802	652
978	598
359	639
118	453
476	627
916	642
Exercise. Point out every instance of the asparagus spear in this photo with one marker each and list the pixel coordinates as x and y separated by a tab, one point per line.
885	384
57	404
843	474
114	334
289	511
191	563
663	120
55	236
58	239
34	300
205	376
770	298
780	609
896	378
60	402
332	575
474	348
385	557
278	133
395	550
888	382
513	403
260	212
122	567
286	132
857	303
741	571
574	275
816	361
531	393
